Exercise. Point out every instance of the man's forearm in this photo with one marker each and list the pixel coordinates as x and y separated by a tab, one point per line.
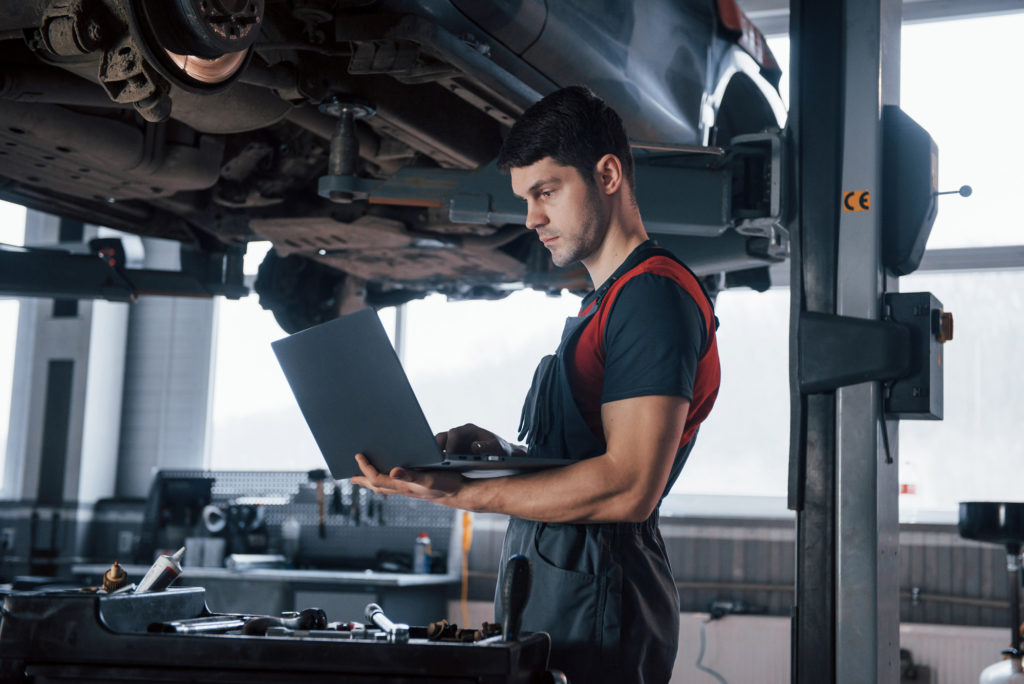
589	491
622	485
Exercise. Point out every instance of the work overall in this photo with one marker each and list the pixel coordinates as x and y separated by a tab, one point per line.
604	592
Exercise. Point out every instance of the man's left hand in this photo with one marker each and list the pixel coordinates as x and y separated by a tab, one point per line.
440	487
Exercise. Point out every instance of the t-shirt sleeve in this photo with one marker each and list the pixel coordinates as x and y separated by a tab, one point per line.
653	340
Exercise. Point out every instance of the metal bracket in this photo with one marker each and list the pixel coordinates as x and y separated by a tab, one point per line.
100	274
837	351
351	187
757	162
917	394
904	350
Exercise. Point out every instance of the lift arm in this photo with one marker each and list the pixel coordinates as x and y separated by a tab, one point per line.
101	274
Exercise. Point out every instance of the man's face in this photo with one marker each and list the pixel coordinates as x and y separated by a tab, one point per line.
566	211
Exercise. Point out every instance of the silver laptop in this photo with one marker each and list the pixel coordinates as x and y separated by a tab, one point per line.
356	398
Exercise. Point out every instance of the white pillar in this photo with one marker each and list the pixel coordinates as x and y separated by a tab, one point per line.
168	376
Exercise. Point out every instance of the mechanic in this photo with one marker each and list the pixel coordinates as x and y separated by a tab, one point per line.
633	377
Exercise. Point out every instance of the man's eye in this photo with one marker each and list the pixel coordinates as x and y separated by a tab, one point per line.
547	193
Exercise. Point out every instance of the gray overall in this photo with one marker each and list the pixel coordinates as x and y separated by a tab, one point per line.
604	592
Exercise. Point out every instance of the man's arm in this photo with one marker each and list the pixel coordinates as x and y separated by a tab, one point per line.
622	485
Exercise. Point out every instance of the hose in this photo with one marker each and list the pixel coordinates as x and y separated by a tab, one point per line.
700	655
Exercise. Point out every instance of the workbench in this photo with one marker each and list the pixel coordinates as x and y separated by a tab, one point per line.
69	635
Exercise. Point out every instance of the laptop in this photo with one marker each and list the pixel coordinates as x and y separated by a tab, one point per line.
356	398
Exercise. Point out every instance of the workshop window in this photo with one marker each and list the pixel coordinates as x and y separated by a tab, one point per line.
952	84
12	232
256	424
467	362
738	466
473	361
974	453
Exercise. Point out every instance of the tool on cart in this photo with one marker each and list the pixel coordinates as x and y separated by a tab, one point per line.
210	624
114	578
395	631
160	575
249	625
515	592
310	618
442	630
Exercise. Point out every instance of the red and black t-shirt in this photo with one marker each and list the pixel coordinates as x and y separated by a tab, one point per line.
653	334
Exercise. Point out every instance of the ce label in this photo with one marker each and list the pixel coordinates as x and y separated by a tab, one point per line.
857	200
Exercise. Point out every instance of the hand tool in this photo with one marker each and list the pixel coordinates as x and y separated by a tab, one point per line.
395	631
357	496
310	618
252	625
318	476
515	592
211	624
338	506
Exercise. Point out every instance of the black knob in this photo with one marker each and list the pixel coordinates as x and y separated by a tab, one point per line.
515	592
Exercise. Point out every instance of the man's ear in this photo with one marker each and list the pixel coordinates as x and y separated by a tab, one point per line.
608	174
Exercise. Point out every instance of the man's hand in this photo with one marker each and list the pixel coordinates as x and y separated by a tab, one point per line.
472	439
436	486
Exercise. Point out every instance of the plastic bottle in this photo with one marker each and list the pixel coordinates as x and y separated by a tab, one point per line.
421	554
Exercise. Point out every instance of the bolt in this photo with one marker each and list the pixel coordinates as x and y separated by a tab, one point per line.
95	32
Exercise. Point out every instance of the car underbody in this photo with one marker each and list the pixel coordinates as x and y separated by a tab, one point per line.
358	135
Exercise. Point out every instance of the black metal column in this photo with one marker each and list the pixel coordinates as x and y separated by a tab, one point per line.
844	66
815	125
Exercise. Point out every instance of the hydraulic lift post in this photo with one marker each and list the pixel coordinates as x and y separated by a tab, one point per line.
843	480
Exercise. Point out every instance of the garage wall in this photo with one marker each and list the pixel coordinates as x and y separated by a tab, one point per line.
943	579
745	648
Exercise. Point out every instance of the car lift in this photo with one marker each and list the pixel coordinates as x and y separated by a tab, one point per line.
849	157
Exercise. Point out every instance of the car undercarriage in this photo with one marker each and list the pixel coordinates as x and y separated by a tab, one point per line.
358	136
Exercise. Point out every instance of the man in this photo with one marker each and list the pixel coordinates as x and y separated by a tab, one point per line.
635	374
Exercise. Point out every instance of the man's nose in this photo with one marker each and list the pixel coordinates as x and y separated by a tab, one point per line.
535	218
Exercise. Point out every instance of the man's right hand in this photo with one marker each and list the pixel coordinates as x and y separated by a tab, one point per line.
472	439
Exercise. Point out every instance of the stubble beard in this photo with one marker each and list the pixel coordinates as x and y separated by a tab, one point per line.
593	226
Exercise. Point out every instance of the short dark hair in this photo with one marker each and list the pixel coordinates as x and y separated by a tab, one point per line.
575	128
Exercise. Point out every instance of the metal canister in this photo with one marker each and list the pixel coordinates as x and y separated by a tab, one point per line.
421	554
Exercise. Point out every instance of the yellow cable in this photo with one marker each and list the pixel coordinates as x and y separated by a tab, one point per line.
467	542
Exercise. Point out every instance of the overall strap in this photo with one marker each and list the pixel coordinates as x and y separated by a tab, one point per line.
658	261
650	259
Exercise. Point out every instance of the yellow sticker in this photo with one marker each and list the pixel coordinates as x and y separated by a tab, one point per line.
857	200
